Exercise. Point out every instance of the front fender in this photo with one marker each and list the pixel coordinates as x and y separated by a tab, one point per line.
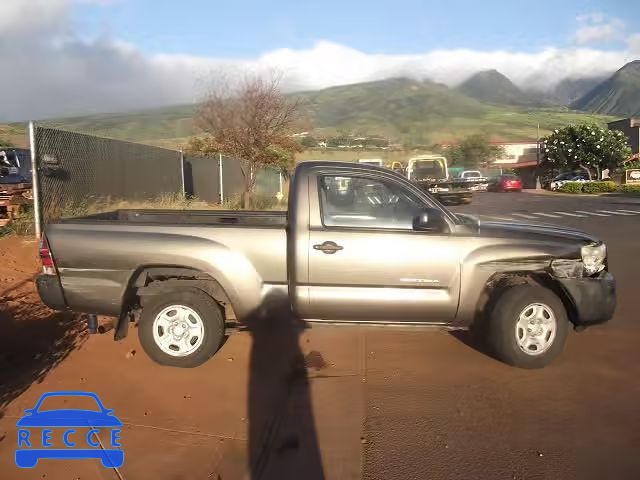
485	263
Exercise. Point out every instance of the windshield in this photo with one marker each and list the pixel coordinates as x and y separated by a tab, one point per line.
565	176
428	169
9	163
62	402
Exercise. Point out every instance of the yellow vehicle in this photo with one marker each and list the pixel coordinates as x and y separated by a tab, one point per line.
397	167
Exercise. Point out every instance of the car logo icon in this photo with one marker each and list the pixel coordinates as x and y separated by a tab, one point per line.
31	448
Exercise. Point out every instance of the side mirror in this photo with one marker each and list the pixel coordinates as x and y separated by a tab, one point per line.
431	220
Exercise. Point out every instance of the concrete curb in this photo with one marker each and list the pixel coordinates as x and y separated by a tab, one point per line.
575	195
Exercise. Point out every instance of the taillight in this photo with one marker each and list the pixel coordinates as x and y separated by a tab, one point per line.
48	267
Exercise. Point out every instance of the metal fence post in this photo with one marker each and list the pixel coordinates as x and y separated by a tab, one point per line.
184	193
220	178
35	181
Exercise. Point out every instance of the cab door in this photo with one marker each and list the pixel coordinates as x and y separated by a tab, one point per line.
365	260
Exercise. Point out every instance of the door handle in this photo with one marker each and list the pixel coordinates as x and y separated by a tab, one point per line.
328	247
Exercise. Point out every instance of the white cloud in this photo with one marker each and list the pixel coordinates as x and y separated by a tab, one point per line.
597	28
49	71
634	43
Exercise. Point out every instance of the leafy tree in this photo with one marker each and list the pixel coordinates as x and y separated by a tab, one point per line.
339	141
253	122
584	146
308	142
632	164
473	151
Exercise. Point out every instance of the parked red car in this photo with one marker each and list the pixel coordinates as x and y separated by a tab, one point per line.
505	183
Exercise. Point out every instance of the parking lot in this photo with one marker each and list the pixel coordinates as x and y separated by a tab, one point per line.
347	402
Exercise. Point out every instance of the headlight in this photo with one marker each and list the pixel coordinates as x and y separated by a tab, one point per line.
593	257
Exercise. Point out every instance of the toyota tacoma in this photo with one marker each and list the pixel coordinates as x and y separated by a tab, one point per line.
359	244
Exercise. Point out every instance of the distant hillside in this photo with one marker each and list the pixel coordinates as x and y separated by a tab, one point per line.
491	86
398	104
146	125
571	89
13	135
403	110
618	95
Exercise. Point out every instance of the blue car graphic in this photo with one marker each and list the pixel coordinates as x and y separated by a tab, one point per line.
110	457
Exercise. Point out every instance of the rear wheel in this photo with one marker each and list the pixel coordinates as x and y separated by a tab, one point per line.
527	326
181	327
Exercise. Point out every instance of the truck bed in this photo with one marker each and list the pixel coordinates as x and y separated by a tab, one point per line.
276	218
99	255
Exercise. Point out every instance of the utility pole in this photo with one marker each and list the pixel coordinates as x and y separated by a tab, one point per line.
35	180
538	185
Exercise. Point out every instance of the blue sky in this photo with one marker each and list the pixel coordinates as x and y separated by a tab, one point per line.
240	28
75	57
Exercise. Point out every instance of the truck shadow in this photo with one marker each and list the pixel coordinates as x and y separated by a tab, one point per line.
472	340
283	440
33	341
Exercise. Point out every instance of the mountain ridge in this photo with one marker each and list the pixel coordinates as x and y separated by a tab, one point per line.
409	111
617	95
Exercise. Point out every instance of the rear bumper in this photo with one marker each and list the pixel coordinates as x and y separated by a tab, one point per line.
50	291
454	196
594	299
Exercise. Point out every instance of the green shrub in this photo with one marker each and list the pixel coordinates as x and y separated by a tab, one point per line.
23	225
599	187
572	187
629	188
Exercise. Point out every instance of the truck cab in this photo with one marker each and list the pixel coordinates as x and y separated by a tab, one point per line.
427	168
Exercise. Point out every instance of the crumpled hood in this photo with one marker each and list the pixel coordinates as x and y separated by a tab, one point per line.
536	232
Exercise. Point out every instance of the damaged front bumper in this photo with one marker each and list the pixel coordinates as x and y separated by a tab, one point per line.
593	298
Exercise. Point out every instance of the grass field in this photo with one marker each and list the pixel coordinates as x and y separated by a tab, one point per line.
14	134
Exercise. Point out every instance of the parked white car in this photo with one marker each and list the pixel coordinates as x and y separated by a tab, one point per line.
477	181
563	178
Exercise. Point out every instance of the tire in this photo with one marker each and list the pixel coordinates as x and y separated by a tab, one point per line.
504	336
190	339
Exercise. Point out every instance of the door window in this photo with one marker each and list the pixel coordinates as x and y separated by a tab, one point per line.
361	202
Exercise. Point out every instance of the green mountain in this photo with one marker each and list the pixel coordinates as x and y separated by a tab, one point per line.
491	86
397	104
571	89
618	95
403	110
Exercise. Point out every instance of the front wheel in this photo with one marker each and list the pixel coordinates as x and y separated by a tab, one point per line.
527	326
181	327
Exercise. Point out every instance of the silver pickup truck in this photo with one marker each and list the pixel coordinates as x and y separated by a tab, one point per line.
359	244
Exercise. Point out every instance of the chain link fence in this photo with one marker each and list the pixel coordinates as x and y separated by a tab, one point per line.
79	174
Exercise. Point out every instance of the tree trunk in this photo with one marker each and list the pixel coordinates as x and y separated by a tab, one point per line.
249	172
586	170
246	200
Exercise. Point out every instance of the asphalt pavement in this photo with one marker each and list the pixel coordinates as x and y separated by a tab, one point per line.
438	408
